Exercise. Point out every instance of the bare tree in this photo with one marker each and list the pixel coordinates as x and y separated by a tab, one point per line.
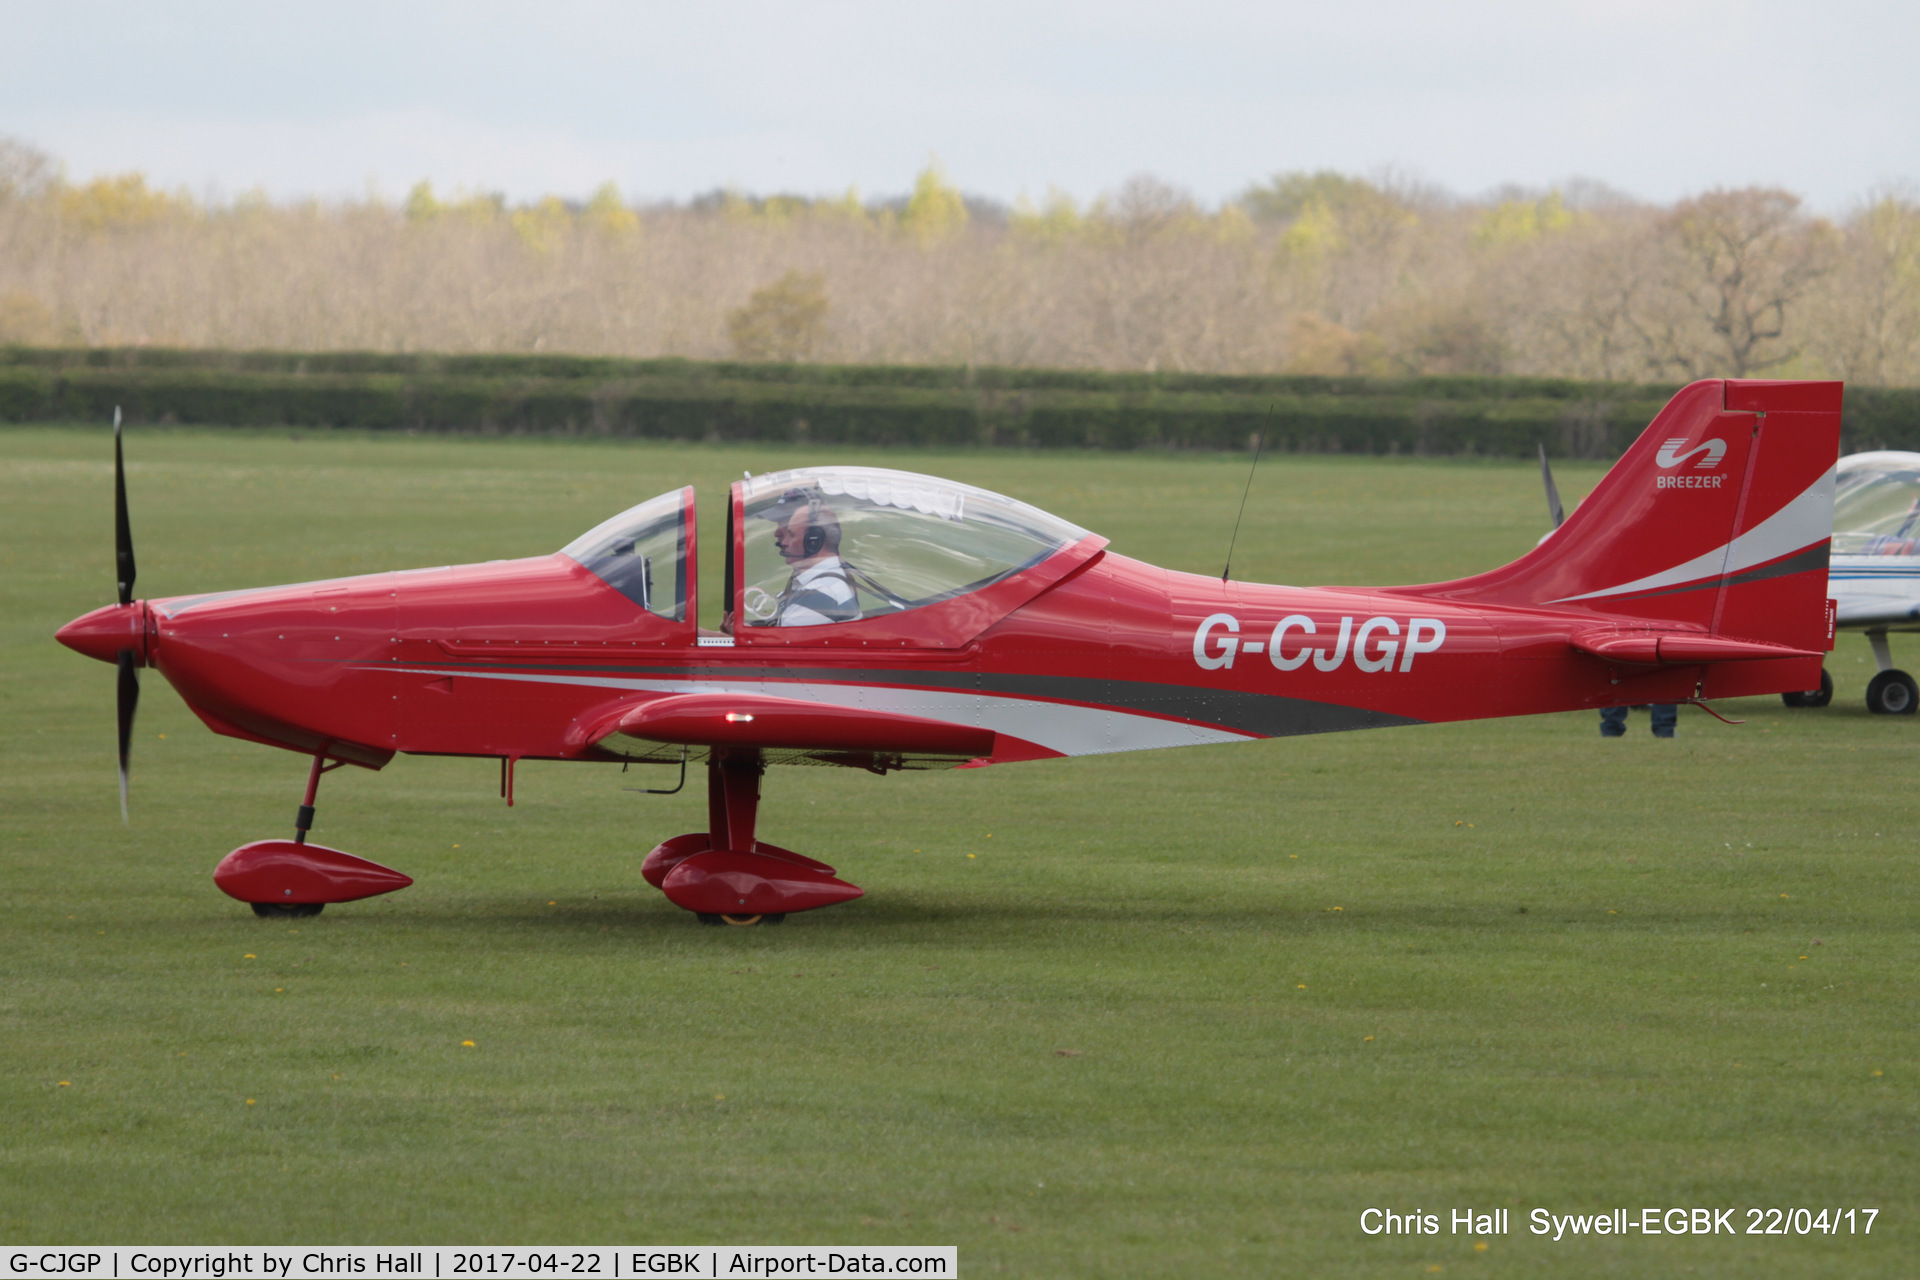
1565	300
1866	318
25	173
1740	261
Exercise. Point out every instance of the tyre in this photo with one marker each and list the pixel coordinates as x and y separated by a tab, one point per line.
1812	697
287	910
1892	693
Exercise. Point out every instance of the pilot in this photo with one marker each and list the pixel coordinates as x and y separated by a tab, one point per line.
1900	542
807	536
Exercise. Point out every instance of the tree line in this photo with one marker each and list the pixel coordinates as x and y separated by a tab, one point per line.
1304	273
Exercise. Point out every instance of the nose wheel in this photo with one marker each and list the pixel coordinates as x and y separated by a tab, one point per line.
741	922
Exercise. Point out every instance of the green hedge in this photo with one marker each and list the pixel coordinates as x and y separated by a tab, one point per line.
864	404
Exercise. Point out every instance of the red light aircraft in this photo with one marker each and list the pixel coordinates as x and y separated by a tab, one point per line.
882	620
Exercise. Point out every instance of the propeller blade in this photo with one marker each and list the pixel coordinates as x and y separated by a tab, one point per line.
1553	494
122	527
129	703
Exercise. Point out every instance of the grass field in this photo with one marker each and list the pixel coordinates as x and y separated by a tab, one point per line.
1168	1014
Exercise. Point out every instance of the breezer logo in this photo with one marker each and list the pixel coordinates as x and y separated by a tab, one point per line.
1670	455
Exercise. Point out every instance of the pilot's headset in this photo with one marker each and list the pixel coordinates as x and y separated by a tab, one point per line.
815	537
814	540
819	521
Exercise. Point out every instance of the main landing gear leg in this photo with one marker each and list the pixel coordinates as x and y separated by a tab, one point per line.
282	879
740	806
733	807
716	805
726	875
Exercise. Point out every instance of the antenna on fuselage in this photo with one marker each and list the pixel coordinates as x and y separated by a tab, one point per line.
1259	439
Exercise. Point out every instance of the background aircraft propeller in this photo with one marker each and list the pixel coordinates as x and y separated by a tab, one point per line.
1546	475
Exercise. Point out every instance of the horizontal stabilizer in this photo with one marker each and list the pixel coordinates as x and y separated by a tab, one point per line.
1682	649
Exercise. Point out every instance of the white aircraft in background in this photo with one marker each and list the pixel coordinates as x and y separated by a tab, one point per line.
1874	573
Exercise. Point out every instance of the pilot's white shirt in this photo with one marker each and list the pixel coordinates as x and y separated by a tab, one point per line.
818	594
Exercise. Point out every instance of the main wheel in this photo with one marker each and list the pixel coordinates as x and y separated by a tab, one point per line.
1892	693
742	922
1812	697
287	910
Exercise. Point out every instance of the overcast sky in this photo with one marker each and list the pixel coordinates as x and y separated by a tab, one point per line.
1660	98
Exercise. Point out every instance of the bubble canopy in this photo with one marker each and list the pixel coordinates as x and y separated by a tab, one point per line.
1876	506
839	544
642	553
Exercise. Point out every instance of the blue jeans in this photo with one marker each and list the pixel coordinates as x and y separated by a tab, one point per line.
1666	715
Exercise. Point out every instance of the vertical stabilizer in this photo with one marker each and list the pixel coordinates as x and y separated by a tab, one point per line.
1719	517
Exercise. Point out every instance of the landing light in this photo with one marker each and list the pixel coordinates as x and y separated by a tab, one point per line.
739	717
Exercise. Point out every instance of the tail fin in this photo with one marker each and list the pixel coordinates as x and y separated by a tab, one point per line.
1719	516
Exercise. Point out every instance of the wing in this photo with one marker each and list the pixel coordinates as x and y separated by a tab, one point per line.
792	731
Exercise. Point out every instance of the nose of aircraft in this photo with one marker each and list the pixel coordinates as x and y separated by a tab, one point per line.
106	631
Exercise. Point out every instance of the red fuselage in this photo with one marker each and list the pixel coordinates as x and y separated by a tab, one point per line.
538	658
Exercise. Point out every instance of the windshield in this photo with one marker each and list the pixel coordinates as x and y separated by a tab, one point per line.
1876	505
838	544
642	554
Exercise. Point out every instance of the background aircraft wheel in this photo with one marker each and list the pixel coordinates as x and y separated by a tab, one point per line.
1892	693
1812	697
287	911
